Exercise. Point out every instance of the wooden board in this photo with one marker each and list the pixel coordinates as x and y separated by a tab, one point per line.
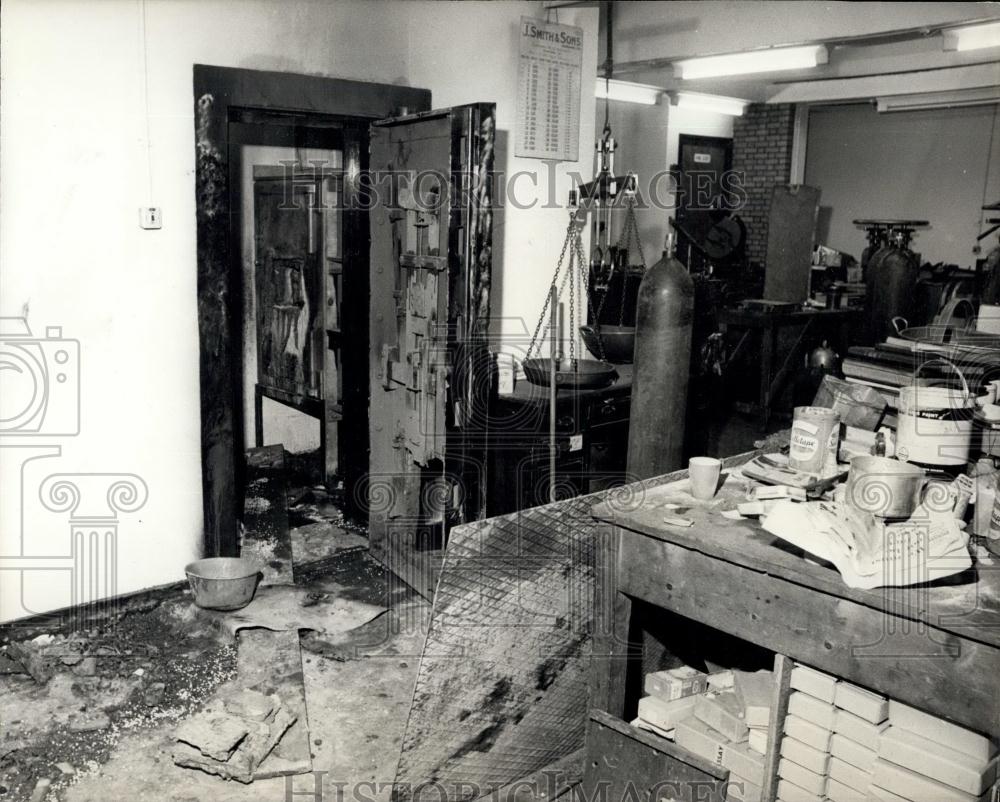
776	730
625	762
967	605
271	662
917	665
266	539
791	230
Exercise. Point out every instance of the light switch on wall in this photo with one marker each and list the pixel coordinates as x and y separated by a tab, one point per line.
150	217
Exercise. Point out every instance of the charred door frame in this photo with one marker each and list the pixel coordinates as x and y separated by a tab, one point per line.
218	93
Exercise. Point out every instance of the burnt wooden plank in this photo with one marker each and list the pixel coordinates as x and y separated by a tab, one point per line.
917	665
271	662
266	537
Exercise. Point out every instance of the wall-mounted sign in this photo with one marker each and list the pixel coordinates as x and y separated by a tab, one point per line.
702	158
549	72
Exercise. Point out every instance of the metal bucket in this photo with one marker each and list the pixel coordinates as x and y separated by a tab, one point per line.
884	487
223	583
935	423
618	342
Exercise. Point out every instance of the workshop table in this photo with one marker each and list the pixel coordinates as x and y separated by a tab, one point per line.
935	647
812	325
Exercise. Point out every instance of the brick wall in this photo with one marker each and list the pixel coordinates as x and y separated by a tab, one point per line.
762	151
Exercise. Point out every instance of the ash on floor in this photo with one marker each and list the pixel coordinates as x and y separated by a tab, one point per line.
97	722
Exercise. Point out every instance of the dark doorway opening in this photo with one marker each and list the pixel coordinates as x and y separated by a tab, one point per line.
234	109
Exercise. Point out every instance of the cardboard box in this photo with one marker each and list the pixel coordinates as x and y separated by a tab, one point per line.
859	730
852	752
949	766
940	731
811	709
809	733
805	755
700	739
790	792
864	704
755	691
916	787
645	725
851	776
676	683
665	715
815	683
802	777
838	792
757	740
743	761
876	794
723	713
742	789
721	680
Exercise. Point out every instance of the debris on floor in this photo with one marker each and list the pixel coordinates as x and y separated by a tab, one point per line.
265	537
233	734
280	607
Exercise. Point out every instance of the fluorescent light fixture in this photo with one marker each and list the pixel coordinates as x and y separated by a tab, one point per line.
939	100
770	60
628	92
972	37
733	106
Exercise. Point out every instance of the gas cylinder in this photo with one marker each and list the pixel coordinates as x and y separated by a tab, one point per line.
876	240
661	366
892	285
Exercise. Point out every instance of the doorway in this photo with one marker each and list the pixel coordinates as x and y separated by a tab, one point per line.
701	161
235	110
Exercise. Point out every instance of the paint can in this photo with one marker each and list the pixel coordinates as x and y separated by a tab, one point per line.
814	441
935	423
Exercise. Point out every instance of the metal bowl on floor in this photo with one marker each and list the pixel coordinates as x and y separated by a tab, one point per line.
223	583
579	374
618	342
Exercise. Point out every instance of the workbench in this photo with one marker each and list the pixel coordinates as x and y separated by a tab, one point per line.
809	327
935	647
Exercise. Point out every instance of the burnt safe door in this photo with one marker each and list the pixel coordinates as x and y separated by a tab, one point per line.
431	238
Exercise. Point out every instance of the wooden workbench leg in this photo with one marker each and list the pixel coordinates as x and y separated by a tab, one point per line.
258	416
612	623
769	335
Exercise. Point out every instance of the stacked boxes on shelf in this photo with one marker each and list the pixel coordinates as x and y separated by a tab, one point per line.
713	716
808	730
858	725
927	759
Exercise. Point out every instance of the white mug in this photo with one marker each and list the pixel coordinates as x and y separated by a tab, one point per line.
703	473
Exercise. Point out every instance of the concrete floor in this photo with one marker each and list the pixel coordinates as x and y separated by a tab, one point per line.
103	732
105	735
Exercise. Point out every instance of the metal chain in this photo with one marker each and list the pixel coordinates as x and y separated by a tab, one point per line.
629	231
570	236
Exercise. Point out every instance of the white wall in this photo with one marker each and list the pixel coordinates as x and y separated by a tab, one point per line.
480	64
931	165
74	172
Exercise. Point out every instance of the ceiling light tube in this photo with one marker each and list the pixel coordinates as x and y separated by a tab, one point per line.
972	37
628	92
719	104
939	100
770	60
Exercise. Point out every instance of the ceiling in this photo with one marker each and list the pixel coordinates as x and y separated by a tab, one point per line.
910	59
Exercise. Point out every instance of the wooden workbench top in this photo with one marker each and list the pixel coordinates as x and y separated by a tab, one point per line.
966	605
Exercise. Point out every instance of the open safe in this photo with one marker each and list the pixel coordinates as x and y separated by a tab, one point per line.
430	223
